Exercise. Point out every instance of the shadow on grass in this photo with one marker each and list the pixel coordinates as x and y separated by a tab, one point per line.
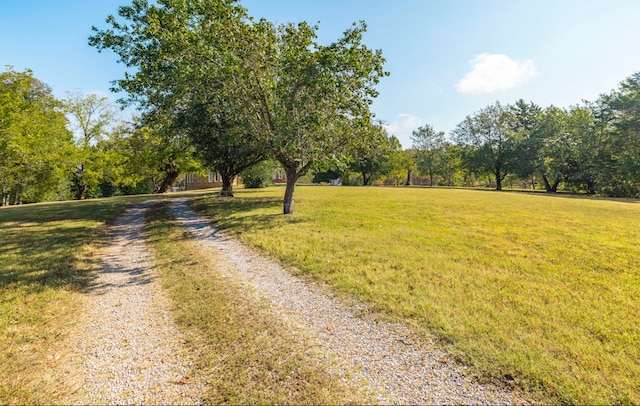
40	243
240	214
558	194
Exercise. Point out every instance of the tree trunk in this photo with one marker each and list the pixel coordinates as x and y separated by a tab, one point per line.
227	185
167	182
430	177
81	194
80	183
15	196
498	182
366	179
408	181
292	178
591	187
171	174
549	187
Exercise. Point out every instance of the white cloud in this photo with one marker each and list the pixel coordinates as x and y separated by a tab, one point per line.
402	126
492	72
403	123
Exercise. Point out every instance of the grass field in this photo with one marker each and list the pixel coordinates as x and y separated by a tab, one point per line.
532	290
46	254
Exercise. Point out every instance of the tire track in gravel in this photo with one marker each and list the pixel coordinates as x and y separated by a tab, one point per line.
388	357
128	349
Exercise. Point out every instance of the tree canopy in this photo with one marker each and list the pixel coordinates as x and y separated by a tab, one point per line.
250	84
36	149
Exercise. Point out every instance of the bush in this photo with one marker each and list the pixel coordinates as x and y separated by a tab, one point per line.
258	176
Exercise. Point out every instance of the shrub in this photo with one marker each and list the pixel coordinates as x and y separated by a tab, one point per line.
259	175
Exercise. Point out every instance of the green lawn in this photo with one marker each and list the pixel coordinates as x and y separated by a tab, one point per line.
534	290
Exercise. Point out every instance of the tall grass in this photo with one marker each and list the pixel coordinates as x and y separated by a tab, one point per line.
537	291
47	253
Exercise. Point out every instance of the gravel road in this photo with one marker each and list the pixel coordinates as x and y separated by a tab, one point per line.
129	351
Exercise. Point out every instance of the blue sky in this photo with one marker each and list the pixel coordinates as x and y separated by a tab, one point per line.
447	58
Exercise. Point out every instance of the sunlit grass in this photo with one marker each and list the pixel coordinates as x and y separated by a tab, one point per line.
534	290
46	255
246	355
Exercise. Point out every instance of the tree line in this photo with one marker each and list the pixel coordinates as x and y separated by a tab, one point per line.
591	147
75	148
213	88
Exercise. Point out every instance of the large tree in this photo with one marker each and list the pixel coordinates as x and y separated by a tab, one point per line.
308	102
35	146
181	55
303	101
221	142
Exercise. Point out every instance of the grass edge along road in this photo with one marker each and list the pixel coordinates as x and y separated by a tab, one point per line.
534	291
47	254
251	358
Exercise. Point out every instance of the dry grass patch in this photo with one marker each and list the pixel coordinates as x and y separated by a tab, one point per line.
536	291
245	354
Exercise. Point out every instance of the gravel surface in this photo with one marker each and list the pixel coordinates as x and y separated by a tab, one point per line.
127	349
388	358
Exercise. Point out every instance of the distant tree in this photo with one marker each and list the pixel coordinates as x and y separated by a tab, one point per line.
618	115
429	146
35	146
524	122
90	117
555	148
571	148
586	147
451	168
489	142
406	161
375	158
